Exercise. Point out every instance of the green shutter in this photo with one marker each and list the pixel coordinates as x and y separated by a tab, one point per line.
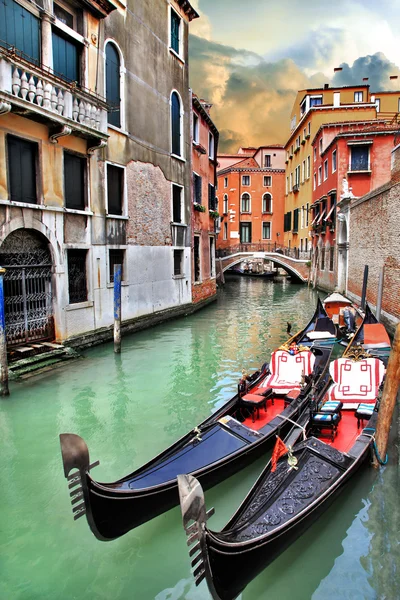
176	124
74	181
22	160
19	28
65	58
113	85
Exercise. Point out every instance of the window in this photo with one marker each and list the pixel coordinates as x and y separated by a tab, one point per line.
21	29
245	179
195	128
196	257
315	153
308	166
287	185
225	182
334	161
116	257
212	257
66	56
296	219
225	231
267	180
245	233
176	124
211	153
176	203
197	188
113	84
319	175
74	181
267	203
115	190
315	101
305	245
315	181
64	16
245	203
304	133
303	107
322	259
175	41
225	208
77	281
266	230
303	171
22	159
309	128
331	258
378	104
359	158
212	202
358	96
267	160
287	221
325	170
178	262
307	211
297	176
320	146
291	182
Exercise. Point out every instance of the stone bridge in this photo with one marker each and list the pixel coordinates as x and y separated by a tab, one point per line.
295	267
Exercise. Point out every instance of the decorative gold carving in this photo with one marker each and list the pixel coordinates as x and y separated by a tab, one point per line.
357	353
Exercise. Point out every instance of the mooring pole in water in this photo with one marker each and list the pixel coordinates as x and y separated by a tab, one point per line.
117	308
388	402
364	288
221	271
4	391
380	294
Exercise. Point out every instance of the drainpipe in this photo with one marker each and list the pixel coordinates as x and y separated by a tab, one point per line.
4	391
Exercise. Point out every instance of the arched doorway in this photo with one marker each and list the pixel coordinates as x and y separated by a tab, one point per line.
26	257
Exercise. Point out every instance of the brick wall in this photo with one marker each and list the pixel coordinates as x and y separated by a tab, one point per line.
374	241
202	291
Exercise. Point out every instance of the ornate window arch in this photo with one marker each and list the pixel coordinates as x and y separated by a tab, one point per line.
245	203
267	203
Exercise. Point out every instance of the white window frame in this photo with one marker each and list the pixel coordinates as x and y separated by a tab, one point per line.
225	232
270	230
269	212
265	161
196	128
122	73
378	104
320	175
241	200
183	222
358	96
320	146
171	50
308	167
246	184
211	146
315	181
225	204
334	161
225	182
125	192
303	171
265	180
326	172
212	256
315	153
181	121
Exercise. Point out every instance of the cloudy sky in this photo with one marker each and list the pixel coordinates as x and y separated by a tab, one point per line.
250	58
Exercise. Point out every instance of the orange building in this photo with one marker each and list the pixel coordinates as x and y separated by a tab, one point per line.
312	109
351	160
251	197
205	216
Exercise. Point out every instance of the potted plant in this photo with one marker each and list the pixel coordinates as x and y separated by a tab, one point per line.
199	207
214	214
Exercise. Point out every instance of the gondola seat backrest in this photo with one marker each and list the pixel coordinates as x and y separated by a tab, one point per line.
356	381
286	370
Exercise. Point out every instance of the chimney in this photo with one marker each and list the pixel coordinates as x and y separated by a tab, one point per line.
326	86
206	105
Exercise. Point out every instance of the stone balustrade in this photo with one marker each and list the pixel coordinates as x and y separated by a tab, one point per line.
26	86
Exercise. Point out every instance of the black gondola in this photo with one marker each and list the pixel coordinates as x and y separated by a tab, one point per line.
238	433
308	477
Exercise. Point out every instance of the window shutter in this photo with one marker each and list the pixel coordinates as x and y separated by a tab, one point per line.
197	188
176	124
19	28
176	204
115	187
74	181
175	25
22	160
65	58
113	85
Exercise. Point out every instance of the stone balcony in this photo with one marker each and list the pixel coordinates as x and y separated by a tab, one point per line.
37	94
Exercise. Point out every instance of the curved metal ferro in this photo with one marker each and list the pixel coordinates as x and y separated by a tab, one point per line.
75	453
194	518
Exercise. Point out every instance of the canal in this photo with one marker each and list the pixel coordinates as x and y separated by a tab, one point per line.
130	407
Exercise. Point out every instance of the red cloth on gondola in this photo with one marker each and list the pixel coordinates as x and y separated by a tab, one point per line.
279	450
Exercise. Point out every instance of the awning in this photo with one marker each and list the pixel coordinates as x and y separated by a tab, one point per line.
320	216
329	213
315	218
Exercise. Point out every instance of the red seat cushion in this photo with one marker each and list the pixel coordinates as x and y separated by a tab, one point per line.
254	398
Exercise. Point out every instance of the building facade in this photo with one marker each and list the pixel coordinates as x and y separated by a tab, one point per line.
312	109
95	113
205	216
351	159
251	198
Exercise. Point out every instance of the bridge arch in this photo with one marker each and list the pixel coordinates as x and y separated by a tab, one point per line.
296	268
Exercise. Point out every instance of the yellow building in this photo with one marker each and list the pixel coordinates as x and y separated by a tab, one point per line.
313	108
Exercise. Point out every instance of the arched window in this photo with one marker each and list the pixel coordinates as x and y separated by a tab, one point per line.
267	203
225	207
113	84
245	202
176	124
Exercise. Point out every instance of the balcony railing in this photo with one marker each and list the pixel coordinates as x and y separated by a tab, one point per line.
28	89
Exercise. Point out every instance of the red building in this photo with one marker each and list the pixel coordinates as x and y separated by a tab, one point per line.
251	190
350	160
204	205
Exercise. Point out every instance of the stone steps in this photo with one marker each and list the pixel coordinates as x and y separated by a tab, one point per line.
32	365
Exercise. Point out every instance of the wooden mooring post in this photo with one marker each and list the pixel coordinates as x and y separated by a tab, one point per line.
4	390
388	402
117	308
364	288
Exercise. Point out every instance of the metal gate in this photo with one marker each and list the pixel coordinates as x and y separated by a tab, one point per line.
27	287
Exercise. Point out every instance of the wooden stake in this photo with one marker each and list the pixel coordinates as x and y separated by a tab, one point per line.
117	308
388	402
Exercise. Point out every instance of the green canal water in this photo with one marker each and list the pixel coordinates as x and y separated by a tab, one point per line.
130	407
